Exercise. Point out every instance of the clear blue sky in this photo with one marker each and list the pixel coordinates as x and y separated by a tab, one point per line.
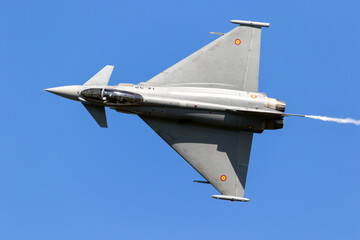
63	177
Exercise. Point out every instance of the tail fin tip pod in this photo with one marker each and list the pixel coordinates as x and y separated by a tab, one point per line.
101	78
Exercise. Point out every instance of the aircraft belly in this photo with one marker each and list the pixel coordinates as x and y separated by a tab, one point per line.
217	119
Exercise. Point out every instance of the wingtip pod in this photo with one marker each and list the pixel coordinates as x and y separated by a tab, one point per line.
250	23
231	198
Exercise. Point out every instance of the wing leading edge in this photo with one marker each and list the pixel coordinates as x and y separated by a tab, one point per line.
230	62
221	156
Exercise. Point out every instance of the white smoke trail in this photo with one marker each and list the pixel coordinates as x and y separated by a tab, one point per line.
337	120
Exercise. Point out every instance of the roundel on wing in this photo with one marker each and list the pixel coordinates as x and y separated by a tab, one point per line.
237	41
223	178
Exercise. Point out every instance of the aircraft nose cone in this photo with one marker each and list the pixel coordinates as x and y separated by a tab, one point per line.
71	92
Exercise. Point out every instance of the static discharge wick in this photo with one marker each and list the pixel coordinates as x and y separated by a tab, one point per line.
337	120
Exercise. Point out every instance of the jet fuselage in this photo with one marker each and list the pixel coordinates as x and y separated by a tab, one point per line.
242	110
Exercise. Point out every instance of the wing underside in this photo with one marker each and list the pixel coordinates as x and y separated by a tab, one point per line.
221	156
230	62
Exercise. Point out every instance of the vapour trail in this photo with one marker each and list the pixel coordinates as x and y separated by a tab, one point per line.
337	120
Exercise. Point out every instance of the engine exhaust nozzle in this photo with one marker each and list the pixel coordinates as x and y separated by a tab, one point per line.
275	104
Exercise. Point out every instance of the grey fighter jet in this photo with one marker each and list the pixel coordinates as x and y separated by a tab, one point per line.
206	107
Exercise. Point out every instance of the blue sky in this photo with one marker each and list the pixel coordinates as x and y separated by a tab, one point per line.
62	177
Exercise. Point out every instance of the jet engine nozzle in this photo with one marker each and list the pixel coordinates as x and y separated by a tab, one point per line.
274	123
275	104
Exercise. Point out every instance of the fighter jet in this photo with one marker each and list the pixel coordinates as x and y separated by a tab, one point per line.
206	107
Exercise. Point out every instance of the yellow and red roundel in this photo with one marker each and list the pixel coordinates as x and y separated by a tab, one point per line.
253	96
237	41
223	178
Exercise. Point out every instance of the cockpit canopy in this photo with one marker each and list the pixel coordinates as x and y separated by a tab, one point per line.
111	96
122	97
92	94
